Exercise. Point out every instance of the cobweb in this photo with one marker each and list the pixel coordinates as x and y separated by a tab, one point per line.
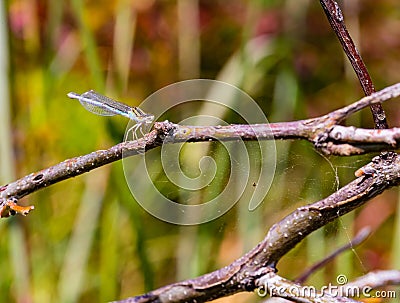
308	176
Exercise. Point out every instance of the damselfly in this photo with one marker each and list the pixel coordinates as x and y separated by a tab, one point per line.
101	105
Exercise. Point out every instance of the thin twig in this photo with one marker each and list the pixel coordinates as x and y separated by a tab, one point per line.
357	240
336	20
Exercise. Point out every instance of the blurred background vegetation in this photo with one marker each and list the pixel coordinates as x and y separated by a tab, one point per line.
87	239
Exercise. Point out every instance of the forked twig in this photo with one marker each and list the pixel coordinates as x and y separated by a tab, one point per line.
324	132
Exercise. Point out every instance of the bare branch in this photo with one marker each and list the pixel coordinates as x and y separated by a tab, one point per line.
74	167
336	20
376	279
277	286
361	286
243	274
322	131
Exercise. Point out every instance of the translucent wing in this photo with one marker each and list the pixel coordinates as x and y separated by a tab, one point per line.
119	107
99	104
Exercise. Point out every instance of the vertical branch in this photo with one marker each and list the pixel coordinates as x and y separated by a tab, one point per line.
335	18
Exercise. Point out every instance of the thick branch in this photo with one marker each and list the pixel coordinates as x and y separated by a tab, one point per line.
244	273
74	167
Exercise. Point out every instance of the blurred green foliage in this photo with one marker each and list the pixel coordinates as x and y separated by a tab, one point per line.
87	239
